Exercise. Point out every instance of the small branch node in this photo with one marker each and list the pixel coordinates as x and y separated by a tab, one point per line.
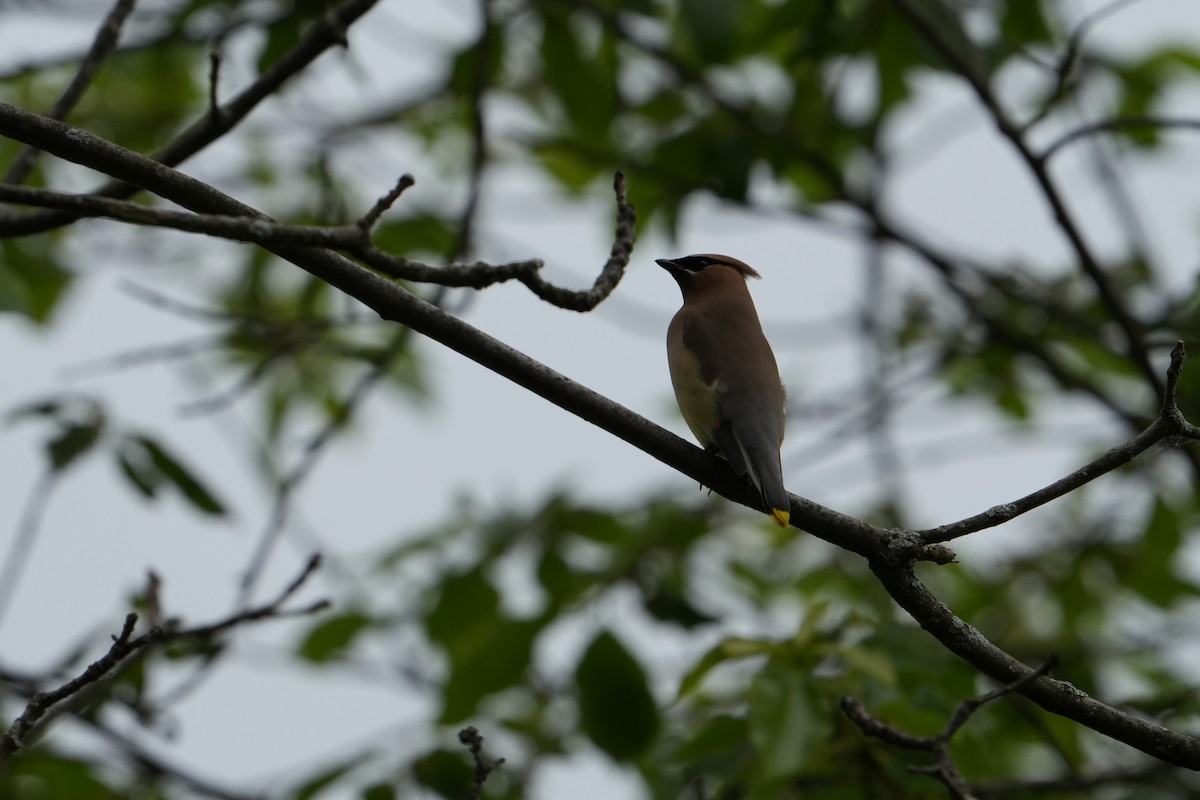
1178	355
214	77
473	740
369	220
943	767
127	629
313	564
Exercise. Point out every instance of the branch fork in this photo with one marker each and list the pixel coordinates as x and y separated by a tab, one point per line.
943	767
126	645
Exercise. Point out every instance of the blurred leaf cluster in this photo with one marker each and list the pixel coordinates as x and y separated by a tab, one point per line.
705	651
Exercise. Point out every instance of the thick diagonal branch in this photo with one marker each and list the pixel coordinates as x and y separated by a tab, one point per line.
890	553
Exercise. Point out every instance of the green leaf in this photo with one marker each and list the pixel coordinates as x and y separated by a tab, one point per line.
54	776
583	79
415	236
444	772
327	778
31	282
574	169
597	525
183	480
556	577
872	663
169	91
41	408
716	157
1151	572
616	709
281	38
488	651
669	604
466	605
330	639
729	649
466	71
496	660
1143	84
717	747
1023	24
75	440
379	791
138	470
712	27
786	724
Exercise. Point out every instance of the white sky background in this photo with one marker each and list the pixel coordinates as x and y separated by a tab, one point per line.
485	439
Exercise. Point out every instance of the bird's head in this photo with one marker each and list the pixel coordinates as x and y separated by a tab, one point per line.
706	271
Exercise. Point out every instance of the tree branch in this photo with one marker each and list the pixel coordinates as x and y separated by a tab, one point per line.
326	32
257	228
471	737
978	81
286	486
943	767
889	552
1169	423
125	644
1057	697
1116	124
102	46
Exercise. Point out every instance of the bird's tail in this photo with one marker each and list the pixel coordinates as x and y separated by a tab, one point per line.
763	467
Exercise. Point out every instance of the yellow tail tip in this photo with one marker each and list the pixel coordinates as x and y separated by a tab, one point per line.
780	517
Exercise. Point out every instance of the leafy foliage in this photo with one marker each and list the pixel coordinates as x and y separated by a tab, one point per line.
707	652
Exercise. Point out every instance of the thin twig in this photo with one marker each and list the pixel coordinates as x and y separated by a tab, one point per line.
384	203
22	544
1169	423
259	229
481	75
124	645
1118	124
977	79
214	80
136	357
308	460
241	387
329	30
354	239
886	461
1070	58
479	275
161	768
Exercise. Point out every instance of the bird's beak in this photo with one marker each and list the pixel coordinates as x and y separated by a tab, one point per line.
669	265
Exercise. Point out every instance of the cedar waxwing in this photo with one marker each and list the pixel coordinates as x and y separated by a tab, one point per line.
724	373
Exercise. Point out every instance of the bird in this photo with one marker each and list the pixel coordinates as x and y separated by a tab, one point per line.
724	374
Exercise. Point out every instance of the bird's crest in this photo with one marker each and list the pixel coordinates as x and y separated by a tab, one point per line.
699	261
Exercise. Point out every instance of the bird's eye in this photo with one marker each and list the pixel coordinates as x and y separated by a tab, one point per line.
695	263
